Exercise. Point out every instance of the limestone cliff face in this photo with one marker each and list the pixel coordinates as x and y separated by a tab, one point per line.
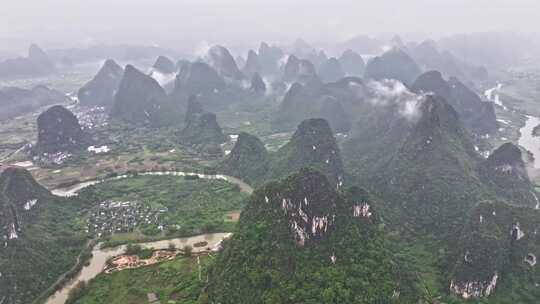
309	207
20	194
297	227
38	239
499	247
504	171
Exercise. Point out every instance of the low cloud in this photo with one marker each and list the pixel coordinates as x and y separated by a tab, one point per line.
201	51
392	92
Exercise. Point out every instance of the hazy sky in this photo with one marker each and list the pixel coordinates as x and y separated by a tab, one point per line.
172	22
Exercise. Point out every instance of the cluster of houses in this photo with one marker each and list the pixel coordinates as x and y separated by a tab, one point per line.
115	217
91	118
57	158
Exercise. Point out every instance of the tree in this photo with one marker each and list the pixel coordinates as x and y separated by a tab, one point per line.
188	251
133	249
77	292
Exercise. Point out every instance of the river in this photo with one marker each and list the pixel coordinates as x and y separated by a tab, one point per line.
100	257
72	190
526	139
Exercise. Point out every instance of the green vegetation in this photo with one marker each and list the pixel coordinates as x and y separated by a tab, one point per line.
49	239
312	145
136	249
277	256
247	160
177	281
188	206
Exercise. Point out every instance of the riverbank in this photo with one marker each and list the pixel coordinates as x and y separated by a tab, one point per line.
57	294
82	259
100	256
75	188
524	134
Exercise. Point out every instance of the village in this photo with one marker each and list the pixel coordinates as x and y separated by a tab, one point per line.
121	216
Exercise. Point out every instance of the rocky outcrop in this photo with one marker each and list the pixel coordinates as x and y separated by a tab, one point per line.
507	160
59	131
101	90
